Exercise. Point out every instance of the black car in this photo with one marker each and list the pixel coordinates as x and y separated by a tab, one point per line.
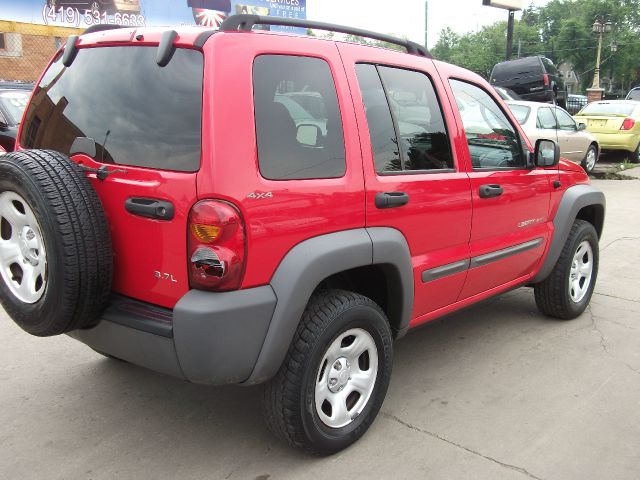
13	100
533	78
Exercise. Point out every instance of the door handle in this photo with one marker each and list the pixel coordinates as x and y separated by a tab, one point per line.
391	199
490	191
150	208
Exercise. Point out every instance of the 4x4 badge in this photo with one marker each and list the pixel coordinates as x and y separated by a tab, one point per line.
260	195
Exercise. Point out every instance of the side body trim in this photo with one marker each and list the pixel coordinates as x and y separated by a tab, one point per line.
445	270
481	260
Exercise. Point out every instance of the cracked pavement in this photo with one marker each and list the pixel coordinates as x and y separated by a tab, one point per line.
496	391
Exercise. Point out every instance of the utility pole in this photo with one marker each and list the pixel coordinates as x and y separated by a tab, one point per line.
510	34
426	24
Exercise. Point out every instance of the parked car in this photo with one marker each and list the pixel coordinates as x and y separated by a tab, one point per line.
13	100
506	93
221	249
575	103
534	79
541	120
634	94
616	125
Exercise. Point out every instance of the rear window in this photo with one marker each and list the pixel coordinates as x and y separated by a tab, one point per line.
14	103
549	66
634	94
604	108
516	68
521	112
138	113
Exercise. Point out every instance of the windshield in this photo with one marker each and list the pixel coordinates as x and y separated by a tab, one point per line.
521	112
14	102
634	94
606	108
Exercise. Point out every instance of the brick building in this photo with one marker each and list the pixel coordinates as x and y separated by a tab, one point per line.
25	49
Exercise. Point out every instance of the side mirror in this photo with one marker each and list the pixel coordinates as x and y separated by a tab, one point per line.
547	153
308	134
581	127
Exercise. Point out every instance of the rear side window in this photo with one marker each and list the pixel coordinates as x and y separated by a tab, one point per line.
546	119
298	123
406	125
138	113
521	112
549	66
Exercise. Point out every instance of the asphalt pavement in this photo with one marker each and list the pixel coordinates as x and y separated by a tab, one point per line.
496	391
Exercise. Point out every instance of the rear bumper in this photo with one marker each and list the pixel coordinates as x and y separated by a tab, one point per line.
617	141
209	338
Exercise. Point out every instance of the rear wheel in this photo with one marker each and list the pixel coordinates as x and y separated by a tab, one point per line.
567	291
590	159
335	376
634	157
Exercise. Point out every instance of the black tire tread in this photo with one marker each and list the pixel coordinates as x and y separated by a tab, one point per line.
549	294
80	224
281	402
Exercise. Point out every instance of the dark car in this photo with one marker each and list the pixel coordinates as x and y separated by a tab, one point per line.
634	94
535	79
13	100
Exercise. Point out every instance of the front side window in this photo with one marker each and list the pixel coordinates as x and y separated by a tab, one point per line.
298	122
406	125
137	113
546	119
493	142
565	122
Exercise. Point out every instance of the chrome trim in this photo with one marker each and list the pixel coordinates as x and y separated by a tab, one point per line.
487	258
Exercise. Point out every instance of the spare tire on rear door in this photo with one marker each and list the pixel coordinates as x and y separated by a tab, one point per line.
55	249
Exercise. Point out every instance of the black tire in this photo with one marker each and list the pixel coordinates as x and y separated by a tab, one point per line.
289	403
594	149
74	231
634	157
552	295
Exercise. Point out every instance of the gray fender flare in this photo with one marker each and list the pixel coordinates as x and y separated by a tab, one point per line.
309	263
574	199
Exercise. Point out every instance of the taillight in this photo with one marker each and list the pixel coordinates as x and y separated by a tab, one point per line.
216	246
628	124
545	79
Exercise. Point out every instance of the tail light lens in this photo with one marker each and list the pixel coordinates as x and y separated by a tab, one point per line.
545	79
216	246
628	124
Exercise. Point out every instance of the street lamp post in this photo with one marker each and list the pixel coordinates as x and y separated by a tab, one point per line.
600	27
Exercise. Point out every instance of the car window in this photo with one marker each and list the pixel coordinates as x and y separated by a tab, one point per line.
634	94
546	120
413	136
521	112
146	115
549	66
14	103
493	141
609	108
565	122
298	123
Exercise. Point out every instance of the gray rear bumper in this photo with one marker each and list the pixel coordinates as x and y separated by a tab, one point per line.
209	338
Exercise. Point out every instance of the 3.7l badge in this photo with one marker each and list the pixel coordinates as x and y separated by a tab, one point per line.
165	276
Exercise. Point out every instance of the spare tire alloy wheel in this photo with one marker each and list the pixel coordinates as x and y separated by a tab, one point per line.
23	257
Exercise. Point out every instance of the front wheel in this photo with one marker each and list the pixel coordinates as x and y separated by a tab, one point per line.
590	159
566	292
335	376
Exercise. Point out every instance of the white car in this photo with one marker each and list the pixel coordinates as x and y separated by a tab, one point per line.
543	120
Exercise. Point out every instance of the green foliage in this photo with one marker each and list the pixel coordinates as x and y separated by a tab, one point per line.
562	31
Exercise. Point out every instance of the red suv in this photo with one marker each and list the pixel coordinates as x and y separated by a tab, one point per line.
241	207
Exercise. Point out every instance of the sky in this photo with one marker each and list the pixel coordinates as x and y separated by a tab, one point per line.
406	17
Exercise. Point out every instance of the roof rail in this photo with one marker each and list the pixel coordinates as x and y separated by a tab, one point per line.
246	22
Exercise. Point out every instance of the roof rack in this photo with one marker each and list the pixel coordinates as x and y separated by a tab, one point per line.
245	23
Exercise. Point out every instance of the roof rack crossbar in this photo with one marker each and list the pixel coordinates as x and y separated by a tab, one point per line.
246	23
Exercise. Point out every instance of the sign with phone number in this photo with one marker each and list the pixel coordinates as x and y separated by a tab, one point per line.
85	18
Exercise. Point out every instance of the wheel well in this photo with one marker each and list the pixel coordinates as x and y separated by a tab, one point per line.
594	214
377	282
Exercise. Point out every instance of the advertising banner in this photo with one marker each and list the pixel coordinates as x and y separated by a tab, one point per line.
84	13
